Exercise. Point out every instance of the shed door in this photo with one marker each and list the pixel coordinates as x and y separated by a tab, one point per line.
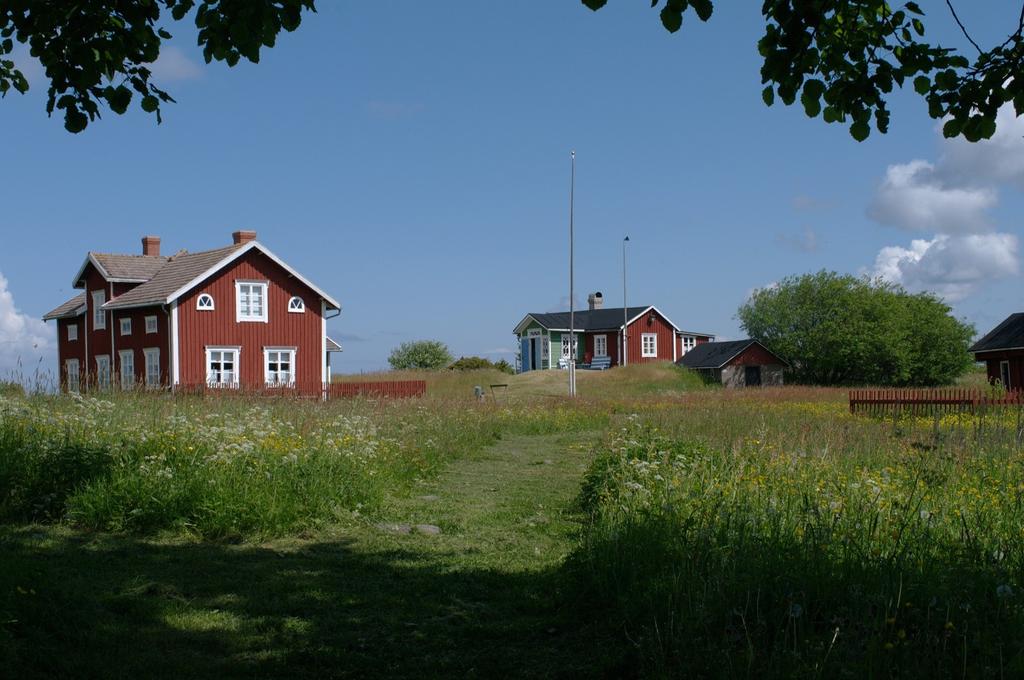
752	376
524	355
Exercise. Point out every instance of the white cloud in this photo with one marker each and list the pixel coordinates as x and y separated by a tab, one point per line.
916	196
1000	159
173	64
24	341
951	266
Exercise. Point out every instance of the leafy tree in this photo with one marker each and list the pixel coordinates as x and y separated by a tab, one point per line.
842	330
421	354
840	58
100	51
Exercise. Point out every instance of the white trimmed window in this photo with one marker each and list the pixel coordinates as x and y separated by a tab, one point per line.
600	345
127	360
222	366
99	317
204	303
152	355
126	326
103	371
72	331
151	324
74	379
279	365
296	305
1004	374
689	342
649	345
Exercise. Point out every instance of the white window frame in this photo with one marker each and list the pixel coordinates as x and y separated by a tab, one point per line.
73	331
103	374
237	352
152	360
263	287
604	345
1004	370
292	352
74	376
99	317
689	342
126	359
125	325
297	308
644	351
200	307
152	326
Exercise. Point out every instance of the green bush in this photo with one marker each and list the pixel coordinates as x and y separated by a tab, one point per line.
842	330
479	363
420	354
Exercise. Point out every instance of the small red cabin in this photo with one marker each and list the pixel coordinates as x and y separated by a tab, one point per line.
229	317
1002	350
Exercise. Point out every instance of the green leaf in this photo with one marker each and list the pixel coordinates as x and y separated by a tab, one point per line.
595	4
118	98
671	19
952	128
704	8
860	130
768	95
914	7
812	105
922	84
918	26
150	103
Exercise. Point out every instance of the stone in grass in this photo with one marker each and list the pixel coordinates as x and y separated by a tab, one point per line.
395	528
430	497
428	529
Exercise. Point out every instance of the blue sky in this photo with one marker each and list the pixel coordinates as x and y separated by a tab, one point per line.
413	160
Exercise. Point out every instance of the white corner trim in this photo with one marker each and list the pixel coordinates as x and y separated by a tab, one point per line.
173	356
323	342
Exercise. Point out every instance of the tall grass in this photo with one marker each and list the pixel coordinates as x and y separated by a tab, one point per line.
221	467
791	539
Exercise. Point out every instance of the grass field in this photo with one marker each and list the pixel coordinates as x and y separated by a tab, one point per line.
653	527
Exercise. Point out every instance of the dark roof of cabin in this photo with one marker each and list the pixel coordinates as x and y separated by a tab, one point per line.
1007	335
589	320
718	354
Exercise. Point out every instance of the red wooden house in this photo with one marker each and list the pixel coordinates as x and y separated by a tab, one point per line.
229	317
650	336
1002	350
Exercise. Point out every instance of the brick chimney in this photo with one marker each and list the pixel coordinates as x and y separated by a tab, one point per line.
243	236
151	245
595	300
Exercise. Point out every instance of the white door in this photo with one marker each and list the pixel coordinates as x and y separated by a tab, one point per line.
600	345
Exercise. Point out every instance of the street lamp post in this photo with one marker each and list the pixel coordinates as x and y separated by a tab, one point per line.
572	312
624	315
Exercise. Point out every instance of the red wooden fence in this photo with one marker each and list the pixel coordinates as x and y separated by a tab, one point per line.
389	389
929	401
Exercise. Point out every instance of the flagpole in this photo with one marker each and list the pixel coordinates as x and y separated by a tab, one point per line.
572	311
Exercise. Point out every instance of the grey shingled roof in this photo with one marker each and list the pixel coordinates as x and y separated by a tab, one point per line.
589	320
1007	335
176	272
718	354
134	267
67	310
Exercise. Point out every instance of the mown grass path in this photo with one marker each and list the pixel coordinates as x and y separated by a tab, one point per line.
481	599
